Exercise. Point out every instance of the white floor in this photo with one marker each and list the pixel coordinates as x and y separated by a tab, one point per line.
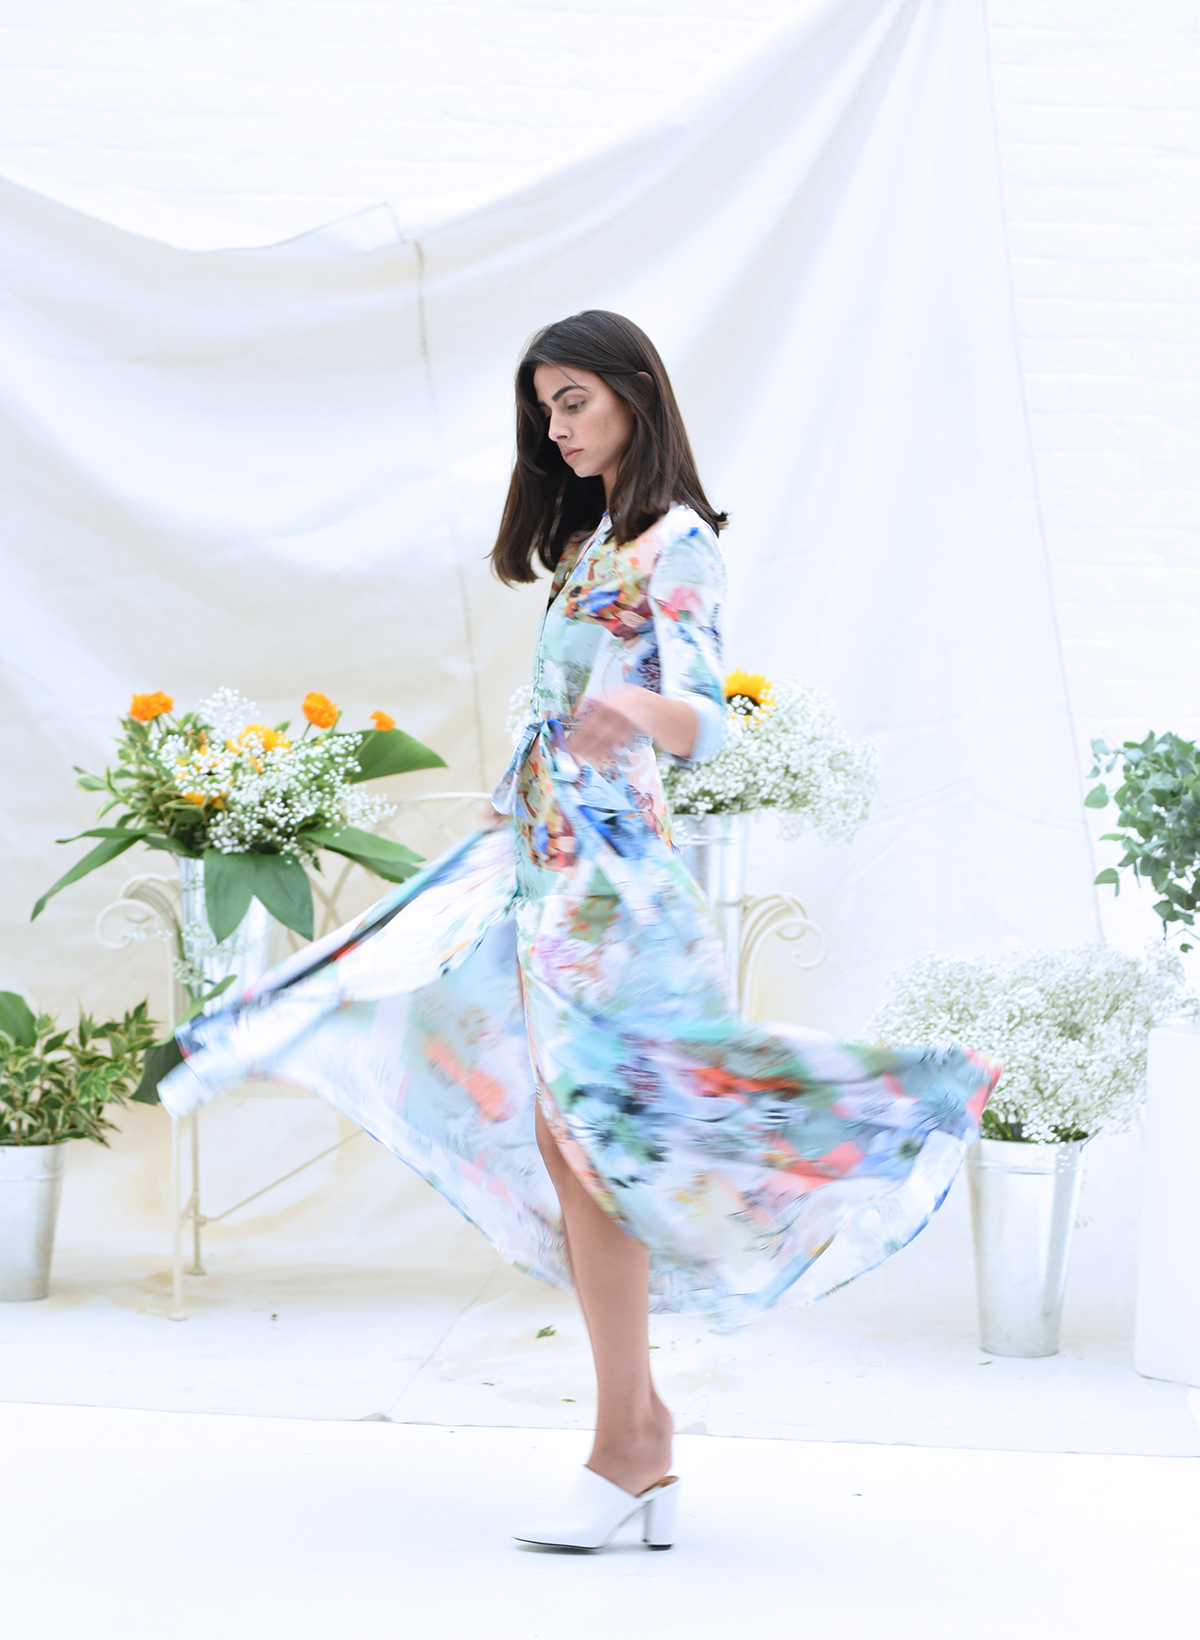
144	1524
359	1406
280	1328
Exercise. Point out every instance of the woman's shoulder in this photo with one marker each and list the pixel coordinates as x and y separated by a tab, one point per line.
682	542
679	529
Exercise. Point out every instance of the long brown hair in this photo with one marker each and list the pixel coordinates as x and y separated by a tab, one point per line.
546	502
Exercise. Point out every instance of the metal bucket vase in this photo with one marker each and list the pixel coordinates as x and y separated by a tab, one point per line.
30	1187
714	848
1023	1202
253	948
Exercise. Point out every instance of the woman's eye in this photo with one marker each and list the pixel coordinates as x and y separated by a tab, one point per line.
574	409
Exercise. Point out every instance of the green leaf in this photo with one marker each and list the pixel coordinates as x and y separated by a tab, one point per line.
394	862
123	828
278	882
1097	798
198	1007
228	890
113	844
390	751
281	884
160	1059
17	1019
1109	876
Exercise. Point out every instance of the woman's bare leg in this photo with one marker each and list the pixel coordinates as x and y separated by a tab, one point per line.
611	1271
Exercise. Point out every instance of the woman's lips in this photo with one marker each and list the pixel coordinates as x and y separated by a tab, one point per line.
567	454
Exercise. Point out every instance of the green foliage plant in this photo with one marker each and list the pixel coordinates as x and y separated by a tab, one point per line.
1158	811
57	1085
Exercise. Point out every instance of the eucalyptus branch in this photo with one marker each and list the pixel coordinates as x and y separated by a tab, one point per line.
1158	811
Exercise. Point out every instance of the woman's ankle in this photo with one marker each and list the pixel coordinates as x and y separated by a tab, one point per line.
634	1458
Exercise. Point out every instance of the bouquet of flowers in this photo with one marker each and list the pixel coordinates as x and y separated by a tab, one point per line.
1070	1027
253	803
784	749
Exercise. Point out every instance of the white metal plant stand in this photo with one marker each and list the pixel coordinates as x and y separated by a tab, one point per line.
150	906
714	848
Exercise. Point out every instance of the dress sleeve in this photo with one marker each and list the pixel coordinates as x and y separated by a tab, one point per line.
687	588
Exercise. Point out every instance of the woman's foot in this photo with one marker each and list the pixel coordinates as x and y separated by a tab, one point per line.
635	1460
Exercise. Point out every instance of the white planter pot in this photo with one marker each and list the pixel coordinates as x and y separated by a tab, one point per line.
30	1187
1167	1330
1023	1201
254	947
714	848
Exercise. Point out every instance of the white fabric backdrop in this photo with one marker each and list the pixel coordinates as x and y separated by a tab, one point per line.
281	470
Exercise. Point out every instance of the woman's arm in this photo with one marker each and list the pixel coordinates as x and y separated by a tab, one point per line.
685	714
610	723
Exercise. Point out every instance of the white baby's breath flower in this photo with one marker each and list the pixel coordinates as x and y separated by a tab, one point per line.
227	712
518	713
792	755
1070	1028
260	789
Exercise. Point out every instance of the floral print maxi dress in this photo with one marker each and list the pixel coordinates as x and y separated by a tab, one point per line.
568	957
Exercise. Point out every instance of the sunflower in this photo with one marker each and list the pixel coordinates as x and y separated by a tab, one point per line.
749	693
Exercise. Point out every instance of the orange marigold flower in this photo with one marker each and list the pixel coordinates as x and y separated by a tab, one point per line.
382	721
198	798
145	708
320	710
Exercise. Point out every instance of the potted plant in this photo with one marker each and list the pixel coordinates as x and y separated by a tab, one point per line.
1071	1029
55	1085
1158	815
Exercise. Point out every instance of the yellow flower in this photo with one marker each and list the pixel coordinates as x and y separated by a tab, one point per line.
382	721
320	710
267	738
749	692
145	708
198	798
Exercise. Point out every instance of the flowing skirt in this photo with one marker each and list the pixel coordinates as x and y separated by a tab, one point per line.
753	1161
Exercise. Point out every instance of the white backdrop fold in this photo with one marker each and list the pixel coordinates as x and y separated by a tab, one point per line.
281	470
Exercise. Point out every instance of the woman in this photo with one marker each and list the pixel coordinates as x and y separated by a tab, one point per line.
540	1023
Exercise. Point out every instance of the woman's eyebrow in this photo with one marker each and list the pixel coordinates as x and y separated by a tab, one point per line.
554	397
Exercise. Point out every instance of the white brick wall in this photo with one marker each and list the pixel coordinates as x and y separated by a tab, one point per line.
1098	109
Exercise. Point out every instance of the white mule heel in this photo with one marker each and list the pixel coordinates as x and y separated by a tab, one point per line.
596	1510
658	1522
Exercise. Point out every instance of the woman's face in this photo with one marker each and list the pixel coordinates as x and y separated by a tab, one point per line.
588	421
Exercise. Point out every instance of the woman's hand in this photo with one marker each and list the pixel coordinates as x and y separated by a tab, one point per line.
600	733
607	725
